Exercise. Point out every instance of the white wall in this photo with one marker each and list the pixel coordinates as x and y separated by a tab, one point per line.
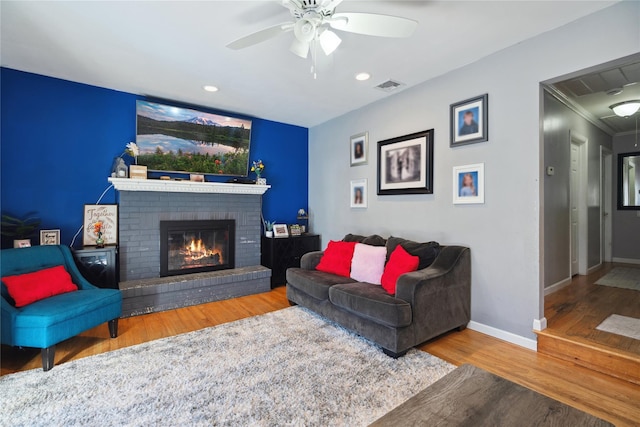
504	232
559	122
626	224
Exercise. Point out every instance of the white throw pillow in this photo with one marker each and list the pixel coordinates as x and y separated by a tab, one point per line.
367	264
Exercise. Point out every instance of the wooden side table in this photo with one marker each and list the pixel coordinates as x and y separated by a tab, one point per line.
98	265
282	253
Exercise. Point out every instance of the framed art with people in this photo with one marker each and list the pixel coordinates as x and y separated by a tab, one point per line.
468	184
470	121
405	164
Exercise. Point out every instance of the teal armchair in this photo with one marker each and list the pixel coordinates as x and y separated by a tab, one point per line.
45	323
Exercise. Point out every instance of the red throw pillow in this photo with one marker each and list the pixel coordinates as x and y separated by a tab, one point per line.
400	262
32	287
337	258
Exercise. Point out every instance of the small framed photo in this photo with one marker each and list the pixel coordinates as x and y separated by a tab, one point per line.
359	148
470	121
405	164
137	172
107	215
49	237
295	230
196	177
359	193
280	230
468	184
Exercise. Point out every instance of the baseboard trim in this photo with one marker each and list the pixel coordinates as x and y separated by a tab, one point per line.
626	260
527	343
594	268
540	324
557	286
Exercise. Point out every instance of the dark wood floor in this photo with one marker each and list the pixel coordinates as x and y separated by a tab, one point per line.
601	395
576	310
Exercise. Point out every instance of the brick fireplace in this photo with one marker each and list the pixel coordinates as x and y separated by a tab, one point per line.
144	205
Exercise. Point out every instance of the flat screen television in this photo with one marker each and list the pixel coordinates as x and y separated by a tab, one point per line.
184	140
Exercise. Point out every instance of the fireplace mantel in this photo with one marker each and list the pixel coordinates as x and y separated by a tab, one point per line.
127	184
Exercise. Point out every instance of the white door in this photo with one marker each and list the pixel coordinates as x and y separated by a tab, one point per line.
573	203
606	204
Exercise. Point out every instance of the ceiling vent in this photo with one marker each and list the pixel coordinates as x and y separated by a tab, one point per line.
390	85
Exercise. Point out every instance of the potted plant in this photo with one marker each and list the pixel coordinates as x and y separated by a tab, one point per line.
20	230
268	228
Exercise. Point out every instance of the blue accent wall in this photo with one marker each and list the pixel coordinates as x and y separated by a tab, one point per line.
59	138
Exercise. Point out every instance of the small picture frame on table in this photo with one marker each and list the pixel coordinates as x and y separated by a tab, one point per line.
280	230
468	184
295	230
49	237
470	121
358	193
359	149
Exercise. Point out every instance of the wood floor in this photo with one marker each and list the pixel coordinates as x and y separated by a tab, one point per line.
609	398
574	312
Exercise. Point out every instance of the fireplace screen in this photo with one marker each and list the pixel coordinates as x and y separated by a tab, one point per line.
196	246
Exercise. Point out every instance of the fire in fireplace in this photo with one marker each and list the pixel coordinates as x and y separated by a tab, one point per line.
196	246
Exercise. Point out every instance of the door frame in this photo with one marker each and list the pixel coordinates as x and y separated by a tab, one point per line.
582	144
606	205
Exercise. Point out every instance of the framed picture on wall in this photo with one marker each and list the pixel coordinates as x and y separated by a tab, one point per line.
49	237
405	164
358	193
470	121
359	149
105	214
468	184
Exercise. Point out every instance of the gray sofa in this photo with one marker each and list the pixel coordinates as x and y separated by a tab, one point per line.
427	303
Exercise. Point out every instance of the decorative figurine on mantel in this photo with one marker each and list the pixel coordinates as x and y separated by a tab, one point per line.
257	168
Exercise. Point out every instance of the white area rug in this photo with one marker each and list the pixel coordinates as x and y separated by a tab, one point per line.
288	367
622	277
621	325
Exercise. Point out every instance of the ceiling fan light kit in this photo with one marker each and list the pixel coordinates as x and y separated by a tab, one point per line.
313	21
626	108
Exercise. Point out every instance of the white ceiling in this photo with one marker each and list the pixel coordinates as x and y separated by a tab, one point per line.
170	49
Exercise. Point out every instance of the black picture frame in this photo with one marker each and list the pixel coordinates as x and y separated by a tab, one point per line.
621	186
405	164
477	130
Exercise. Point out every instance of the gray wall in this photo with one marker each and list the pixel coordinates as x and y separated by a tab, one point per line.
559	121
626	224
504	233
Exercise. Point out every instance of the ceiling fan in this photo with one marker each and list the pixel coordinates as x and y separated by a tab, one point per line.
313	24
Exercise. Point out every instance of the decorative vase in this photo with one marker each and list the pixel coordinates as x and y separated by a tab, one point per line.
100	242
261	181
268	234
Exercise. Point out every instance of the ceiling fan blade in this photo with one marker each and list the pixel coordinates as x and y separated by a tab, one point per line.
372	24
260	36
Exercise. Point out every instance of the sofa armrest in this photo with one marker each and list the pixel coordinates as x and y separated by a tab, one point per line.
440	295
310	260
7	317
72	269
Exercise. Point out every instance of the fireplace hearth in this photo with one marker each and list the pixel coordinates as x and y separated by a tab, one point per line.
196	246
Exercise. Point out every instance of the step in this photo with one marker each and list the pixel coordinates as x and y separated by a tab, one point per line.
617	363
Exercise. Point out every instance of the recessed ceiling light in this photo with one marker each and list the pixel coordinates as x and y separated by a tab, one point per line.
209	88
363	76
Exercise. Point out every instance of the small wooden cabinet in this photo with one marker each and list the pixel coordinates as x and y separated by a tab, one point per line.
98	265
281	253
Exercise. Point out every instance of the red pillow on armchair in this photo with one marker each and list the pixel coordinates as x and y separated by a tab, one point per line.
31	287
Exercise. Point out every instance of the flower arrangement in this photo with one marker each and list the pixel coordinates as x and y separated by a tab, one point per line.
132	150
97	229
257	167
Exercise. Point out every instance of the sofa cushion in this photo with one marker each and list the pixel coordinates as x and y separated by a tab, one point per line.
373	240
368	262
337	258
400	262
28	288
372	302
313	282
427	252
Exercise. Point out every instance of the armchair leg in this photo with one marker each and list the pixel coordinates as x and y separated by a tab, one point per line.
48	357
113	328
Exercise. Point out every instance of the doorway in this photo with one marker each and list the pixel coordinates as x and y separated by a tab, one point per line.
606	204
577	205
